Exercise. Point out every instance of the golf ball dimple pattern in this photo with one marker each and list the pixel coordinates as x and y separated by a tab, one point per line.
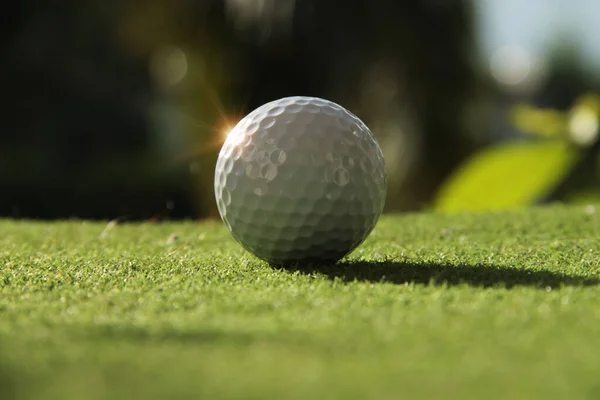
300	179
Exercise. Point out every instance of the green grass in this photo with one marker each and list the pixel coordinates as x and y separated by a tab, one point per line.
503	305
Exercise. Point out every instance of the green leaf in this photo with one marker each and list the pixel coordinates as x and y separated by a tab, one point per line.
506	176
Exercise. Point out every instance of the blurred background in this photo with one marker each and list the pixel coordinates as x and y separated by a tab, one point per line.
119	109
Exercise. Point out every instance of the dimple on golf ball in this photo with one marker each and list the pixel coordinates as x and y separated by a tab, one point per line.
300	180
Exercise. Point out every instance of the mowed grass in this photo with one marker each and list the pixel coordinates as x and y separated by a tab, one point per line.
503	305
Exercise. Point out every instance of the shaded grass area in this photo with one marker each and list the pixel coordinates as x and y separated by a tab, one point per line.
483	275
503	305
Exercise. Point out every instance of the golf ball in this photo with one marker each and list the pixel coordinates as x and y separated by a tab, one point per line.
300	180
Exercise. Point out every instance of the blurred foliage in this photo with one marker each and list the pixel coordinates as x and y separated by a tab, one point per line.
118	109
551	123
534	121
557	163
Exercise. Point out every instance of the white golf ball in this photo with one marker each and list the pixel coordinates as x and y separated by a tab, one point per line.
300	180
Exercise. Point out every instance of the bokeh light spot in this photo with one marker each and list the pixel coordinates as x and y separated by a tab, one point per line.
516	68
583	126
168	66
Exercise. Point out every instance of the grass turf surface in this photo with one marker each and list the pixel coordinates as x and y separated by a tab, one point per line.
503	305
